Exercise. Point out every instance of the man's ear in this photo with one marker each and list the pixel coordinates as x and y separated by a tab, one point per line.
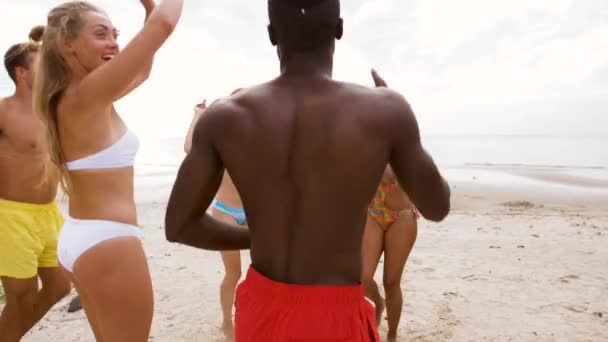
340	29
271	35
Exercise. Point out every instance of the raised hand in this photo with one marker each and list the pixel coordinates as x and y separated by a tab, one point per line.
202	105
148	6
378	81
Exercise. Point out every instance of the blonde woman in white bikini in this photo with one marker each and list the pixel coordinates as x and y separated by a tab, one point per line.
82	72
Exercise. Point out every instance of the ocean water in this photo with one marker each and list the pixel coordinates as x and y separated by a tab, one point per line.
454	151
588	154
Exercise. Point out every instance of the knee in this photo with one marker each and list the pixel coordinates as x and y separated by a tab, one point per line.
58	291
26	301
392	286
232	277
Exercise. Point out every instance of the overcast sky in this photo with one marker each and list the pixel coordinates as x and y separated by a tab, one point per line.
467	66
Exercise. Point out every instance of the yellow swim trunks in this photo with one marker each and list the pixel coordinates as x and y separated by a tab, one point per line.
28	238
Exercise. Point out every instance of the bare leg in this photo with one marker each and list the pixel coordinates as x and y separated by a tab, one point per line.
232	274
55	286
232	266
373	244
89	310
399	241
114	283
20	308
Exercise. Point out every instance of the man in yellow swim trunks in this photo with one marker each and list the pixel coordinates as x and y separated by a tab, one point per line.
29	217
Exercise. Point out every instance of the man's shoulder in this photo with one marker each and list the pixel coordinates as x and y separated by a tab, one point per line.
225	107
3	113
241	102
219	114
372	94
376	102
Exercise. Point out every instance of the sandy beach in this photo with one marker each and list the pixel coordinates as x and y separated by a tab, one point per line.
522	257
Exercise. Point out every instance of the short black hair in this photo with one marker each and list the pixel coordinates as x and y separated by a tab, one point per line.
304	24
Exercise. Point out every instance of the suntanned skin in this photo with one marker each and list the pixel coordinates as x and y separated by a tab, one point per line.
228	195
25	167
112	277
26	176
306	154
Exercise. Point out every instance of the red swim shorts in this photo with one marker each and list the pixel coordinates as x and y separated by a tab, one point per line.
269	311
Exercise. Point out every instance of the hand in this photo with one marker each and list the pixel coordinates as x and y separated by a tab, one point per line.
148	5
202	105
199	109
378	81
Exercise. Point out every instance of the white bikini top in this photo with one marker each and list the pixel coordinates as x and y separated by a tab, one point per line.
120	154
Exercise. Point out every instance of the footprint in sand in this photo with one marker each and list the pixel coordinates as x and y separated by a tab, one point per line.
568	278
416	261
520	205
576	308
473	277
441	330
446	316
450	294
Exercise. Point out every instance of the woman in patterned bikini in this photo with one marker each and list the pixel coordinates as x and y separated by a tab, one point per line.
391	228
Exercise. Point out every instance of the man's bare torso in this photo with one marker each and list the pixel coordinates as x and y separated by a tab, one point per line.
307	158
26	174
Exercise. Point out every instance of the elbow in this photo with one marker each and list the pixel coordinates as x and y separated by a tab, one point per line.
168	23
171	232
441	208
436	208
162	24
170	235
439	213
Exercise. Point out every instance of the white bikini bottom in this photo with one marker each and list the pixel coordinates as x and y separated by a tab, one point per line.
78	236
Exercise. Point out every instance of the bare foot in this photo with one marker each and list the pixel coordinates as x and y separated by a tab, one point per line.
228	330
379	311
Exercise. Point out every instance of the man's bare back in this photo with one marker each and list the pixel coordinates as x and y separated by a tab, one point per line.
25	171
307	155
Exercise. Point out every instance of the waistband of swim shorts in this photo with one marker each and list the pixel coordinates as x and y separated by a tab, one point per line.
294	294
7	204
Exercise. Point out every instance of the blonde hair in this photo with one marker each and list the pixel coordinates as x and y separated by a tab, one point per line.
53	76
